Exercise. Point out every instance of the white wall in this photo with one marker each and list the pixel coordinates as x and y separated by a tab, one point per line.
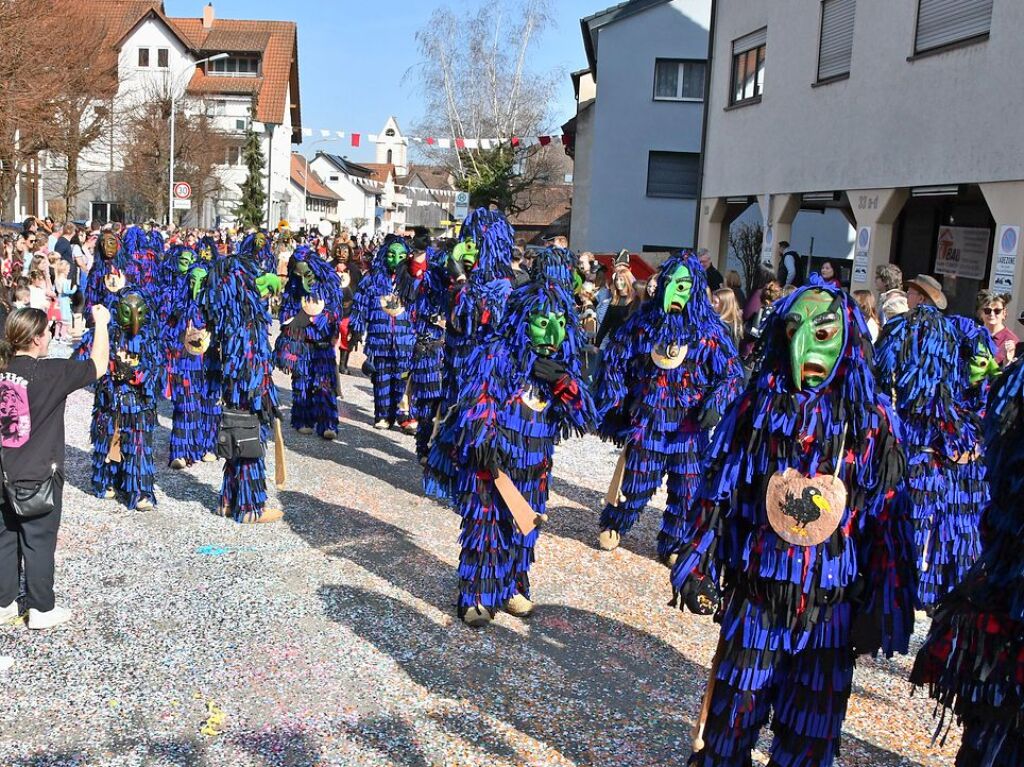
355	202
946	118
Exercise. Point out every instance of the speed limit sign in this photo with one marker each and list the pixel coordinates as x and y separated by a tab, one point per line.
182	190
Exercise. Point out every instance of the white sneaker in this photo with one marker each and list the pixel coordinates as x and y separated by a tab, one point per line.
6	662
48	620
381	424
10	612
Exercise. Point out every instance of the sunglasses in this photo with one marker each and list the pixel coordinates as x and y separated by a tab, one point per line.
995	310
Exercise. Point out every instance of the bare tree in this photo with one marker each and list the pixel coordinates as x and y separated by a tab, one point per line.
477	84
745	243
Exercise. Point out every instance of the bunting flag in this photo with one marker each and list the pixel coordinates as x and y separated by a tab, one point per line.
458	142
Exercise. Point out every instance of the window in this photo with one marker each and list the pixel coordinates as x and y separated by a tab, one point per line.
676	80
235	66
835	49
216	108
672	174
242	124
333	178
748	54
161	58
944	22
233	156
389	157
143	57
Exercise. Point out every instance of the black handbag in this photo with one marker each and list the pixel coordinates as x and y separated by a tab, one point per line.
239	435
33	499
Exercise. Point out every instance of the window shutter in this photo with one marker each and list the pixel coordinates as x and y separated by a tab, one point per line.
672	174
836	49
751	41
940	22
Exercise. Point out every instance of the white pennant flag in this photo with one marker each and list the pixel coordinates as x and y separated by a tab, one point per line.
472	143
371	137
444	143
307	131
325	133
340	134
485	143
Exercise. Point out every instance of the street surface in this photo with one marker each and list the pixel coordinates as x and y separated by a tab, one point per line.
331	638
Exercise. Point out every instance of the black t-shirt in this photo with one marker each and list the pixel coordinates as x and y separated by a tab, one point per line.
32	396
714	278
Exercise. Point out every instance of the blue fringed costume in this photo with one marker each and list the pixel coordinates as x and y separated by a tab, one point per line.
240	324
667	379
124	404
427	387
192	366
513	407
382	313
310	315
973	658
795	615
924	358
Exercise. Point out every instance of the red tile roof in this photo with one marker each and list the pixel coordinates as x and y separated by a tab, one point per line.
304	176
379	171
275	41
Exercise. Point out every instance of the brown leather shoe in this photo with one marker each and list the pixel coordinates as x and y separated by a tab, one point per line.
268	516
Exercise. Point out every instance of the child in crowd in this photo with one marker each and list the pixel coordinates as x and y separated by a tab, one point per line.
37	291
64	289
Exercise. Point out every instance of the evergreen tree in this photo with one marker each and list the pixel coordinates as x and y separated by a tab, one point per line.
254	197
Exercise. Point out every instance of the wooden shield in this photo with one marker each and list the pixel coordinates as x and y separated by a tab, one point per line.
392	304
805	511
533	399
668	357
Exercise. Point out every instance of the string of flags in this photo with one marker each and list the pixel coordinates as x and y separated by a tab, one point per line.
457	142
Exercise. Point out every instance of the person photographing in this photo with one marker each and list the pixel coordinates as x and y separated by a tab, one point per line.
33	393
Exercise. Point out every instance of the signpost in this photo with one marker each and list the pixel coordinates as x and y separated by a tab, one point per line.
860	255
461	205
1006	259
182	196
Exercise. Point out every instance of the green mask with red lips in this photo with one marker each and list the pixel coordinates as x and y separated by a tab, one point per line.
817	334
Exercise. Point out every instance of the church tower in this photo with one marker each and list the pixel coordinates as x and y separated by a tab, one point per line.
392	147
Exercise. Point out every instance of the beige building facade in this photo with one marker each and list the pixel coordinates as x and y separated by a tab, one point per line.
904	115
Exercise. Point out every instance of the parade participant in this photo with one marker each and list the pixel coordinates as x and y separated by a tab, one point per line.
345	343
669	373
522	392
924	358
426	390
382	313
801	541
145	247
973	657
124	404
311	309
233	304
481	269
192	379
108	269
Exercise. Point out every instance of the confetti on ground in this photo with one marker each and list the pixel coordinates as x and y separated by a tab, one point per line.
331	637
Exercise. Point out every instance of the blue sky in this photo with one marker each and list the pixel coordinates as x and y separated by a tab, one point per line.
355	57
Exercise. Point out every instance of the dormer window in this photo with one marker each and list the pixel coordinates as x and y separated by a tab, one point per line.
235	65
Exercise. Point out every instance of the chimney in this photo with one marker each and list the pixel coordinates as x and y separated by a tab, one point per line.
208	16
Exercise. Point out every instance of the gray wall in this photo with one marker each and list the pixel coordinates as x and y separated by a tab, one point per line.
628	123
946	118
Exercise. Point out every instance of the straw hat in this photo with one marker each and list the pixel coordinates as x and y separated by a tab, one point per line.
930	287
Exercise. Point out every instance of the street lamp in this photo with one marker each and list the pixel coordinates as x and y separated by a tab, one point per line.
170	172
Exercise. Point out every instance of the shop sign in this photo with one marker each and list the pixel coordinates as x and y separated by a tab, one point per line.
962	252
1005	267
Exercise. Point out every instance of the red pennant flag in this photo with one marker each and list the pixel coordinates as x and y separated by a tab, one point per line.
544	140
515	141
355	139
430	140
460	143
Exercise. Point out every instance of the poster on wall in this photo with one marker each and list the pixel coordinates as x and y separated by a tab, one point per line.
962	252
1006	259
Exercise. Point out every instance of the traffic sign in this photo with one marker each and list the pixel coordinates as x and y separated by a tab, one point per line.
461	205
182	190
182	204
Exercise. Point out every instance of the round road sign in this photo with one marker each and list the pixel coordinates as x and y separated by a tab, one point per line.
182	190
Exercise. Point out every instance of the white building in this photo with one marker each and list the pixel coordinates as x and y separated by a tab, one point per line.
902	115
638	125
156	56
310	200
359	195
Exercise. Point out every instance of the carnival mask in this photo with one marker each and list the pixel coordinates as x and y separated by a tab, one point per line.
205	253
397	253
268	284
303	271
982	365
259	241
186	257
546	332
109	245
196	278
197	340
114	281
678	287
132	313
467	253
816	333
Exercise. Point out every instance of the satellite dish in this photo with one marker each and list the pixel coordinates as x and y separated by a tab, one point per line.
325	227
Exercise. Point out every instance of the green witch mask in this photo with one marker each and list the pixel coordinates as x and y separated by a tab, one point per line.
132	313
397	253
467	253
304	273
678	287
196	278
982	365
816	335
546	332
186	258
